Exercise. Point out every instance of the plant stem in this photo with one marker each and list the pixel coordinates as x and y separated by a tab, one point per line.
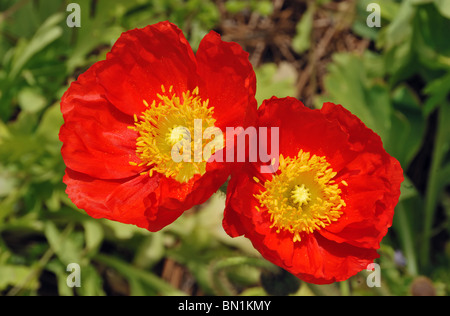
40	264
404	228
435	183
345	288
152	280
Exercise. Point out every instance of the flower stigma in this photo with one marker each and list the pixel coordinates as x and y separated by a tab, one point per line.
301	195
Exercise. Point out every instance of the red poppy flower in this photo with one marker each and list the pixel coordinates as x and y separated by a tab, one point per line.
152	98
322	214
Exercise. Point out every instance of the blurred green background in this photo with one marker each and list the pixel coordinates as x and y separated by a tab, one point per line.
396	78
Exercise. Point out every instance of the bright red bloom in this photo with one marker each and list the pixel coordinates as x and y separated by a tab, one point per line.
125	114
322	214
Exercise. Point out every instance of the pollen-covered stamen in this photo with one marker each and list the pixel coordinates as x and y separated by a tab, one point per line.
302	197
170	133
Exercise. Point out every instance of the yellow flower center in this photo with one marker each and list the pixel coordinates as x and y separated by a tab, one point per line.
177	134
302	197
170	135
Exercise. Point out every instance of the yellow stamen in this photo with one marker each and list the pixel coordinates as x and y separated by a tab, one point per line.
166	128
302	197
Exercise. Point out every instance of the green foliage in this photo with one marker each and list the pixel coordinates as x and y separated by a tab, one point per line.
273	80
263	7
302	40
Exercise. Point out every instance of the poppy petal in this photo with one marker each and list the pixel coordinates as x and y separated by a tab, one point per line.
96	138
229	80
135	71
93	195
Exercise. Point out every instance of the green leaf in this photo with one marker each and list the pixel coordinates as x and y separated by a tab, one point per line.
437	90
31	100
302	40
273	80
65	245
93	236
395	116
15	275
408	125
8	183
396	39
48	129
348	84
389	11
61	274
48	32
150	251
96	29
129	271
431	38
444	7
400	29
91	282
263	7
235	6
21	146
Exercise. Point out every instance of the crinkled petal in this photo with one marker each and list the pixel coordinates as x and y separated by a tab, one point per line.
141	61
96	138
99	197
229	81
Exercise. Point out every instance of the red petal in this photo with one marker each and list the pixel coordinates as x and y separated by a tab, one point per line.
94	195
96	138
229	81
306	129
373	178
321	261
144	59
175	195
238	205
